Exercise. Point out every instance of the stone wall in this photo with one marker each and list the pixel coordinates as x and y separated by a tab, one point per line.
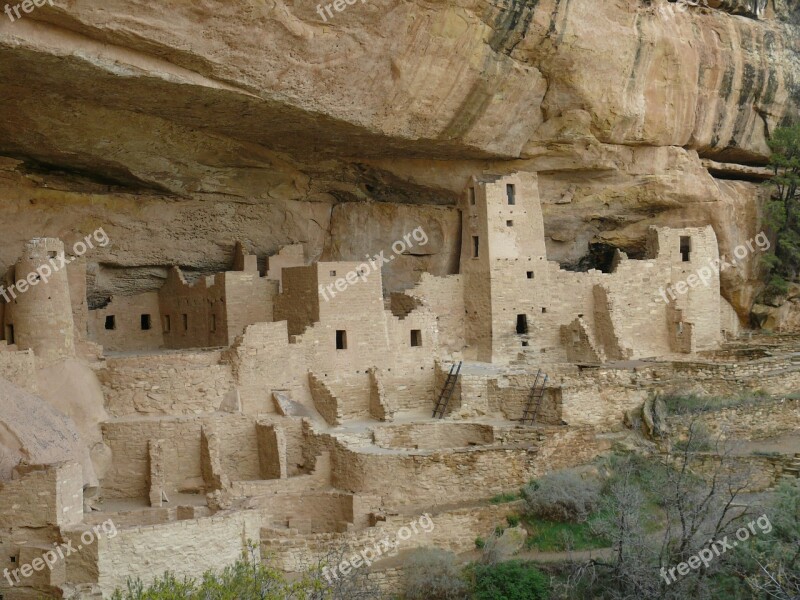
171	383
454	530
18	367
185	548
180	451
759	421
431	436
128	323
43	496
511	395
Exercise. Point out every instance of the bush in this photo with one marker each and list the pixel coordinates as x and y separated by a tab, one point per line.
512	520
563	496
513	580
433	574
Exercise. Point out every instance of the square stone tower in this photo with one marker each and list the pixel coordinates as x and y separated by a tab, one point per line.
503	261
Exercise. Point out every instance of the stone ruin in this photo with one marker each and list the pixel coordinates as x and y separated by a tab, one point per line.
294	411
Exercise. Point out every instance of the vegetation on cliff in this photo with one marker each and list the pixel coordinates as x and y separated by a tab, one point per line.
783	210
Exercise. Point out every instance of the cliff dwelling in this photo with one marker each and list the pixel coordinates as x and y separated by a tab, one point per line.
296	297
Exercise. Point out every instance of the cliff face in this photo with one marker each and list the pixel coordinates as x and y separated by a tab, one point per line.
180	127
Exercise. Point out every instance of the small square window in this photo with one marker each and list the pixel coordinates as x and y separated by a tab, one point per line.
52	254
509	223
145	323
13	559
416	338
529	274
544	310
111	322
341	339
333	273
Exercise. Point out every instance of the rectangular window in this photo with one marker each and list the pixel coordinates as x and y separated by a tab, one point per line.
511	194
145	323
111	322
10	334
544	310
416	338
341	339
509	223
213	323
529	274
472	196
186	322
52	254
522	324
475	246
686	248
333	273
167	324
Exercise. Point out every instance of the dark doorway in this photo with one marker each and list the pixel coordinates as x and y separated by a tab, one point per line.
686	248
522	324
341	339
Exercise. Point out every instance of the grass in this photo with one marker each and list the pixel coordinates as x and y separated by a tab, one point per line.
505	498
551	536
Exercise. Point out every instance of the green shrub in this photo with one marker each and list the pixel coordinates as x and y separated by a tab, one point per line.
480	543
512	520
562	496
513	580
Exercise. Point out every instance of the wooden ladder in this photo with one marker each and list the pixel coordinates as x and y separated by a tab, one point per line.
531	412
447	391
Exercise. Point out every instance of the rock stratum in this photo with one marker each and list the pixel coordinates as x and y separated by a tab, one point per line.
182	127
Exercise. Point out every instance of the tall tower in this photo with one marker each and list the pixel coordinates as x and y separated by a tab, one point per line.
39	316
503	261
